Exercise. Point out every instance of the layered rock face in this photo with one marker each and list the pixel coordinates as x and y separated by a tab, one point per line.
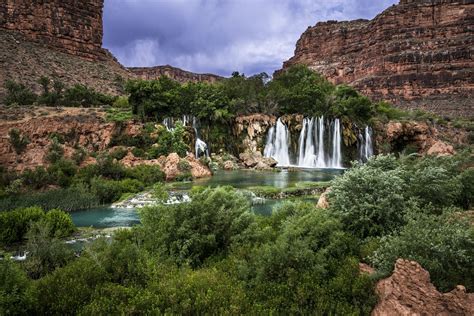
74	26
408	291
180	75
417	54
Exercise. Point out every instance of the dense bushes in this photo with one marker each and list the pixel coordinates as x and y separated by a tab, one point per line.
15	224
444	245
296	90
96	184
18	93
372	198
190	233
77	95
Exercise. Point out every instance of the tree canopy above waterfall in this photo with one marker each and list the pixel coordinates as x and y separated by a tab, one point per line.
296	90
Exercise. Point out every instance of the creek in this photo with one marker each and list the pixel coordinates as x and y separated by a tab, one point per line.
107	216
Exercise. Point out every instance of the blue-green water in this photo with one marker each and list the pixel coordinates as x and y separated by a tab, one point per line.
104	217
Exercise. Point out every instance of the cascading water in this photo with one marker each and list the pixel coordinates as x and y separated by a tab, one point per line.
317	148
200	146
366	149
336	145
277	144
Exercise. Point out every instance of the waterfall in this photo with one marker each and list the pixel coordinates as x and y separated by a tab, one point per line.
366	149
321	160
277	144
317	147
200	146
336	145
306	157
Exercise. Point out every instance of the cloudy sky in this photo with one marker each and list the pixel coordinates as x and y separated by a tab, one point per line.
219	36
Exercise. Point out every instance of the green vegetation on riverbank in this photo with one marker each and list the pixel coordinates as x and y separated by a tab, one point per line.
213	255
73	187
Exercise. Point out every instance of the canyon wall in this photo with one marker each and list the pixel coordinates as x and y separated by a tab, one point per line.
180	75
417	54
74	26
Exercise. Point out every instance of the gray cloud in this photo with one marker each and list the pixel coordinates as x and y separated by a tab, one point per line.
219	36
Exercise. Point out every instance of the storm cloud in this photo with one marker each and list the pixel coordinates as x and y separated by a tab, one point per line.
219	36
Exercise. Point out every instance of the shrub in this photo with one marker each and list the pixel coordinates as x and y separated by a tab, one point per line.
60	223
184	166
18	141
119	153
467	188
55	151
80	95
80	154
37	178
441	244
210	224
15	296
371	201
62	172
18	93
121	102
14	224
148	174
44	252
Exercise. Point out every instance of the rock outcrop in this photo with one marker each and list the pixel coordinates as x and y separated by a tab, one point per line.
408	291
411	137
62	39
89	131
180	75
251	131
69	25
417	54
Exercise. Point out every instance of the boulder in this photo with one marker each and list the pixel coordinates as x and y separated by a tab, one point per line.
170	168
323	201
408	291
440	148
198	169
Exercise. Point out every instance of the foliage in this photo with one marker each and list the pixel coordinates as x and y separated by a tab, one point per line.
15	298
119	115
72	198
55	151
80	154
45	253
148	174
370	200
15	224
189	233
18	141
80	95
108	191
170	142
441	244
18	93
60	223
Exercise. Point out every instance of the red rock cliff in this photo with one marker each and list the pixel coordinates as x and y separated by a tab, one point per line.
74	26
153	73
416	54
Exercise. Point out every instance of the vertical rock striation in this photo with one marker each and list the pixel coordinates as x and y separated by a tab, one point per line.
417	54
